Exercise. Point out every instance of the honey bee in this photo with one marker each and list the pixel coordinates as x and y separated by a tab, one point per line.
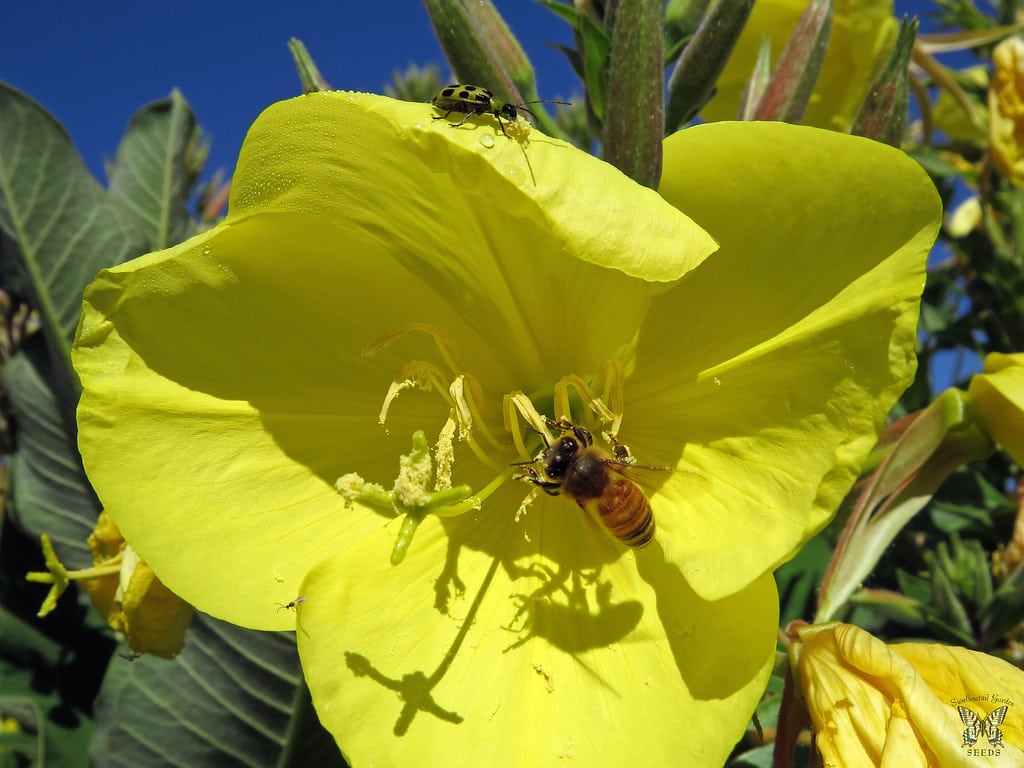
597	482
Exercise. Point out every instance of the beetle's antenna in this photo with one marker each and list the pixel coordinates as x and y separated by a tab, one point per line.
545	101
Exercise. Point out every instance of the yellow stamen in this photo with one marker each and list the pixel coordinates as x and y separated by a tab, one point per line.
585	393
527	502
444	455
419	375
467	393
516	404
464	412
444	346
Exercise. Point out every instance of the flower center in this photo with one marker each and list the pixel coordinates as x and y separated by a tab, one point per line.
424	483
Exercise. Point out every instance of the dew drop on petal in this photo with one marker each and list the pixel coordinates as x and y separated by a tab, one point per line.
487	140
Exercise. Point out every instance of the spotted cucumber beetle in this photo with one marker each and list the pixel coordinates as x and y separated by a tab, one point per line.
474	100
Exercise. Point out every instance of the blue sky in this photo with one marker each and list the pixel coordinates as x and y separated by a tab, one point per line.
92	64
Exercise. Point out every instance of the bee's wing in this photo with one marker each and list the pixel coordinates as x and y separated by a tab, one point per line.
653	478
648	478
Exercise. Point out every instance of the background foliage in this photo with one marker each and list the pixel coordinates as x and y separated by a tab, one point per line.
69	693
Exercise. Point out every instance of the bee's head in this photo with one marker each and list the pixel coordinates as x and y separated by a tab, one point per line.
559	456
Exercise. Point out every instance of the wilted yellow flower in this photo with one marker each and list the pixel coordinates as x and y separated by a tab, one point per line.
380	275
862	37
124	590
907	704
133	601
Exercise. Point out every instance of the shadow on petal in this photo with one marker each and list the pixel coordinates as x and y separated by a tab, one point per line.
696	629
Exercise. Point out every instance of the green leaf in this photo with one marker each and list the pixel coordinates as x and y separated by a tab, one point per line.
566	12
949	612
1006	610
58	228
758	757
798	579
40	683
937	164
891	605
227	700
153	170
914	587
574	58
597	48
49	488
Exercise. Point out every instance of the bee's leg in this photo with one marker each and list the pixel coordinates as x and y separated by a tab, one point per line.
580	433
562	425
621	451
532	476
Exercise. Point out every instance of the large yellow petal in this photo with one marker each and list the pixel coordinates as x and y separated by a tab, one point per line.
768	372
225	382
460	657
322	154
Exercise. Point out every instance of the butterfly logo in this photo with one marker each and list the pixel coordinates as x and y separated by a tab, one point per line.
989	726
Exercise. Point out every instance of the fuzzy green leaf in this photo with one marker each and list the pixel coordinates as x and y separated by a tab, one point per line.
60	226
227	700
48	485
153	170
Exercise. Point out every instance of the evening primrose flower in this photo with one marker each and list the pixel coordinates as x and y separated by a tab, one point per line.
997	401
383	276
862	37
133	602
1006	109
125	591
907	704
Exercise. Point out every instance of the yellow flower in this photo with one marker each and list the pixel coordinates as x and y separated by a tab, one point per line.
908	704
381	273
124	590
1006	109
997	401
133	601
862	37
